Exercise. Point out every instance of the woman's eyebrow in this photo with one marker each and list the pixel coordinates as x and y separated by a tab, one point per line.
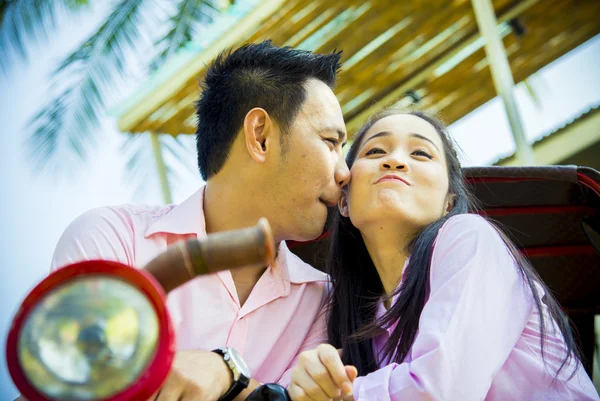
415	135
379	134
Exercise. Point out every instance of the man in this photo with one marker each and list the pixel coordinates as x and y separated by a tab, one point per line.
269	141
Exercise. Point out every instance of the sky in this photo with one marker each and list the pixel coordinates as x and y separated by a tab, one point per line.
36	208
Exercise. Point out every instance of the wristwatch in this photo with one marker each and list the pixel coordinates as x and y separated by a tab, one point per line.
239	370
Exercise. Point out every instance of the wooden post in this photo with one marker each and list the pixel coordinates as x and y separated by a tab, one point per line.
502	75
161	168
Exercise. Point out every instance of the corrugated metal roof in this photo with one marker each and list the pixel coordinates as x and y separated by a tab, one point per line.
561	127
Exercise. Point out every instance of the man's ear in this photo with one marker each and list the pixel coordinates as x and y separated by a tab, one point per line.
257	130
450	199
343	203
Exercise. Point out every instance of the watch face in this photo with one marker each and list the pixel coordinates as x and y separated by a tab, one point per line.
239	362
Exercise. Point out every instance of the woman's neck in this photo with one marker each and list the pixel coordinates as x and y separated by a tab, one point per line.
387	247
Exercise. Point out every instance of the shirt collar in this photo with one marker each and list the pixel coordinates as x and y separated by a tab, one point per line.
188	218
293	269
185	218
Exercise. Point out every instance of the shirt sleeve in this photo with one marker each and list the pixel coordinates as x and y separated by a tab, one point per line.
100	233
478	306
316	336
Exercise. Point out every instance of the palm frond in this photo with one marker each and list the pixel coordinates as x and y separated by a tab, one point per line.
141	169
3	6
180	152
76	4
140	166
22	21
88	77
45	138
183	27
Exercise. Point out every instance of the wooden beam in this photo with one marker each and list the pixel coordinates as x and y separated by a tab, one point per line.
355	121
502	76
161	168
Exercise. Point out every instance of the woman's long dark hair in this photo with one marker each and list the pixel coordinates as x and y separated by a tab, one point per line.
357	287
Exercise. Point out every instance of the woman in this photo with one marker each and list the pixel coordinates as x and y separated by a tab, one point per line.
430	302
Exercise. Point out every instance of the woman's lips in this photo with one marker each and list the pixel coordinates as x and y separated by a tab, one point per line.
392	177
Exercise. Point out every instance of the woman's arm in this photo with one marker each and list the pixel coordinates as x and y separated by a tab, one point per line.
478	307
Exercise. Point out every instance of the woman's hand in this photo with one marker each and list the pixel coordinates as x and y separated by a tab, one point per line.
320	375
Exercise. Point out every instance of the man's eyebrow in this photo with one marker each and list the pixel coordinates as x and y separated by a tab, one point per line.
415	135
342	136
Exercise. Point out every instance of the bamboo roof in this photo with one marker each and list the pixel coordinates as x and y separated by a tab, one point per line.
428	51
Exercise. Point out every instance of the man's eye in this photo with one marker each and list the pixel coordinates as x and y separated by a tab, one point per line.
334	142
422	153
375	151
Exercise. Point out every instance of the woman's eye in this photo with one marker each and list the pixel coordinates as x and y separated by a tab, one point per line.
422	153
375	151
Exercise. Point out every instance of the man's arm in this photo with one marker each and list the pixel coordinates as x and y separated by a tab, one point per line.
251	387
100	233
199	374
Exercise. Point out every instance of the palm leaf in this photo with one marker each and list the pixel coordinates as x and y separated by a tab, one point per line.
22	21
141	169
179	153
88	77
183	27
137	150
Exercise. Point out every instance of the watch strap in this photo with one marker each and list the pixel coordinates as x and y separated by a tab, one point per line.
238	385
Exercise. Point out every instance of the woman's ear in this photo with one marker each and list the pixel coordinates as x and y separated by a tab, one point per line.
450	199
343	203
257	132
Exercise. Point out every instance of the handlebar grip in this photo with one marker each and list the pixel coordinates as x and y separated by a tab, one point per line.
225	250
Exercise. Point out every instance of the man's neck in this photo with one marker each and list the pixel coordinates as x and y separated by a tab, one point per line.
227	207
224	208
245	280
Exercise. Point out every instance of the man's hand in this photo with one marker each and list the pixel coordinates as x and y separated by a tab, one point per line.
320	375
195	376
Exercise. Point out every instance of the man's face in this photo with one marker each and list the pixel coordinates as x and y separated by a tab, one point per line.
311	170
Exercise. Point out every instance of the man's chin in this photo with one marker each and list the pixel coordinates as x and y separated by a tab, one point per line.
311	233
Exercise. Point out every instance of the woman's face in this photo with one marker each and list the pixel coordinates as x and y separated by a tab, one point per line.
399	174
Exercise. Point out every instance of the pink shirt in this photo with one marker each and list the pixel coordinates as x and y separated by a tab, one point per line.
281	317
479	335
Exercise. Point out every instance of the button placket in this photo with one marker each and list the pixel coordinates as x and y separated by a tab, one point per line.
238	334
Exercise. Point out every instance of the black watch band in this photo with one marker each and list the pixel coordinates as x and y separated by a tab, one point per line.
240	380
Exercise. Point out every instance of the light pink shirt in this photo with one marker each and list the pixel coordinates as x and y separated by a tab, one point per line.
479	335
281	318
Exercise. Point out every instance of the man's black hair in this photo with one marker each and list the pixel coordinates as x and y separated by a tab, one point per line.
255	75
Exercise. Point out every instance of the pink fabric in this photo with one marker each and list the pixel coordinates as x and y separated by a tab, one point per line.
281	318
478	334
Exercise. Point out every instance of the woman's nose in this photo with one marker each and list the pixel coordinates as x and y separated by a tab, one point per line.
396	166
393	163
